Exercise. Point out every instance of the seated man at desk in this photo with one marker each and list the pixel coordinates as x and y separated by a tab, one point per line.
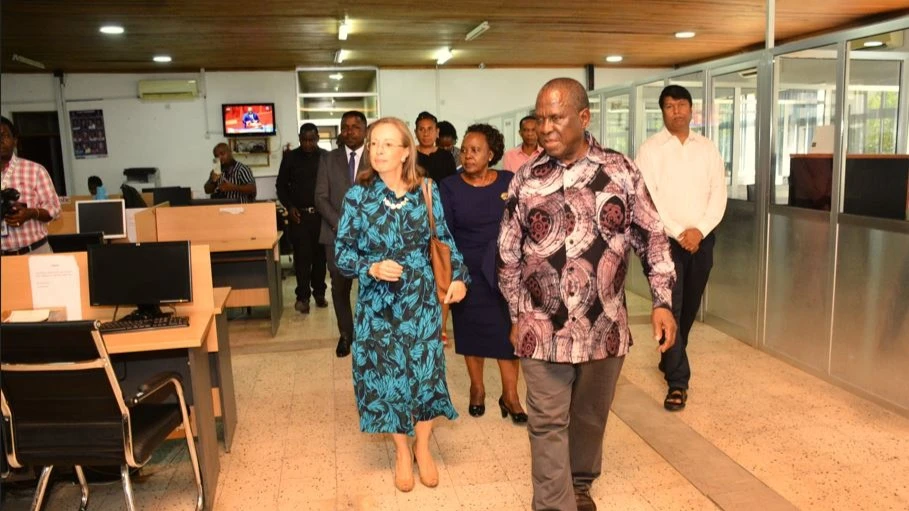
234	181
24	224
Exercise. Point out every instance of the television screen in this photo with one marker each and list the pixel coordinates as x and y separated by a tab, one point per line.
248	119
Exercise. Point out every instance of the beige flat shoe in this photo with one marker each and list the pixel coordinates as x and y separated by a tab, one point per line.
404	474
429	474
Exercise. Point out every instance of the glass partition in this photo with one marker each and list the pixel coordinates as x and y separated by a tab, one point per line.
596	124
324	94
734	129
804	137
694	82
618	123
876	180
649	117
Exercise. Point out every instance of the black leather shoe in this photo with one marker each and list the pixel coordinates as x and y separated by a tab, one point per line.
517	418
321	302
584	501
302	307
343	348
476	410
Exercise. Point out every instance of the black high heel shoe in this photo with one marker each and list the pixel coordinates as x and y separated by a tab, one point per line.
517	418
476	410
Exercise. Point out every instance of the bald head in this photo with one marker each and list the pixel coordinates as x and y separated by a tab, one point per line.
570	89
223	153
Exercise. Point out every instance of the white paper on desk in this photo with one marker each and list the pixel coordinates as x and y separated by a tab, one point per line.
233	210
55	283
28	316
131	223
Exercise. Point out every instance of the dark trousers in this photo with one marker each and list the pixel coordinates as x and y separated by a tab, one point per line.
309	256
692	272
340	295
567	408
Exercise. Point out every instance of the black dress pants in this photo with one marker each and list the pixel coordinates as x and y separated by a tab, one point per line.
692	272
340	295
309	256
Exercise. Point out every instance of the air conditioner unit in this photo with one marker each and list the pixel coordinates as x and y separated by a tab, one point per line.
168	90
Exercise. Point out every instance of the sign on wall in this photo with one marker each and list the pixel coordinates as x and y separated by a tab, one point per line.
89	138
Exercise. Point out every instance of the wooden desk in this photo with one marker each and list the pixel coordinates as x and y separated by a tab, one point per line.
223	375
16	294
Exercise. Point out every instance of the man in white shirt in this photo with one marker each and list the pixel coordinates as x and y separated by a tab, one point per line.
685	175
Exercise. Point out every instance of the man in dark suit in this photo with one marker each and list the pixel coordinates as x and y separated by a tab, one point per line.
336	175
296	187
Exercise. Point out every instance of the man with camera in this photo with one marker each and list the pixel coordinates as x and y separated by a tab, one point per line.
29	198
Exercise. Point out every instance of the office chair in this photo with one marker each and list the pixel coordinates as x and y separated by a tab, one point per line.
61	405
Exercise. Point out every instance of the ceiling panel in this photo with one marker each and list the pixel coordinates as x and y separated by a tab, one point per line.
282	34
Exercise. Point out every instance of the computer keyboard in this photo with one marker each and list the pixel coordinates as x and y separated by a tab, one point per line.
130	325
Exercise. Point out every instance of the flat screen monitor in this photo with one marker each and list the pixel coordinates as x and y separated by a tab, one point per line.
61	243
142	274
175	195
248	119
107	216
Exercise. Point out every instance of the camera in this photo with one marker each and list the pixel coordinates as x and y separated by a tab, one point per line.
9	198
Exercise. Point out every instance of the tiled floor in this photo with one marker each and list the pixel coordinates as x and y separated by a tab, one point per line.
298	447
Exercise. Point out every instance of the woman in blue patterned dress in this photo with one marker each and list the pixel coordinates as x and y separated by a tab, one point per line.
398	359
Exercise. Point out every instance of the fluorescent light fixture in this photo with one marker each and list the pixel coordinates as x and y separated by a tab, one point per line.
344	29
336	76
111	29
162	58
443	56
477	32
27	61
614	58
339	56
873	44
684	35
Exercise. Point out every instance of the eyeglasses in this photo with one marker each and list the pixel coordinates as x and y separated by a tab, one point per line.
385	146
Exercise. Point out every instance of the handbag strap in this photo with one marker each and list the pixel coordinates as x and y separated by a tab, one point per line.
427	196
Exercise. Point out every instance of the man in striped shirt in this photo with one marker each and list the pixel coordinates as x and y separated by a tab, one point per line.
235	181
25	228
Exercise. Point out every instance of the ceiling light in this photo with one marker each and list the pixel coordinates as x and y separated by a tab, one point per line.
614	58
336	76
443	56
873	44
344	29
162	58
27	61
339	56
684	35
478	31
111	29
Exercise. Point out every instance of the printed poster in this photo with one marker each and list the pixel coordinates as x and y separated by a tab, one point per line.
89	138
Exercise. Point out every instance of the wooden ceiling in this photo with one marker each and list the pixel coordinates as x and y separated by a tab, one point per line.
283	34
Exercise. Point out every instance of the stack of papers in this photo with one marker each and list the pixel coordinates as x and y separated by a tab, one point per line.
28	316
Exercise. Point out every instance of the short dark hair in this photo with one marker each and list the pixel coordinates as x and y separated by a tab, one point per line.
94	181
493	137
13	130
572	88
526	118
675	92
426	115
308	126
354	113
447	129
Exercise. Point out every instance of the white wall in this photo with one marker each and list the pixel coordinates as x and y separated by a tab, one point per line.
177	137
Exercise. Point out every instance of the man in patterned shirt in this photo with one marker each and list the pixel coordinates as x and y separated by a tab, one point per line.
25	229
571	214
235	181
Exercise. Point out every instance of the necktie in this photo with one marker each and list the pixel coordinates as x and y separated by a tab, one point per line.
352	166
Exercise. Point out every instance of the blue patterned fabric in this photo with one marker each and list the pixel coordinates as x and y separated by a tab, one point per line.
398	359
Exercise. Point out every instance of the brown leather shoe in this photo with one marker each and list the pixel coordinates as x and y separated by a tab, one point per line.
584	501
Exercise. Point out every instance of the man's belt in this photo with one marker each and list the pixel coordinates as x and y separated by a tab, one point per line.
24	250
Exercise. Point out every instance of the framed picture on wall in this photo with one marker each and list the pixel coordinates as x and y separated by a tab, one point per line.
89	137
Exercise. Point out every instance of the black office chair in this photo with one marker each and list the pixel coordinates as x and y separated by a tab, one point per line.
62	405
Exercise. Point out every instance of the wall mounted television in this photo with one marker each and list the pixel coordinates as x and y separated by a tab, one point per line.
248	119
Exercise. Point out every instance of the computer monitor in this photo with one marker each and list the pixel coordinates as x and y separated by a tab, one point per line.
61	243
107	216
142	274
175	195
